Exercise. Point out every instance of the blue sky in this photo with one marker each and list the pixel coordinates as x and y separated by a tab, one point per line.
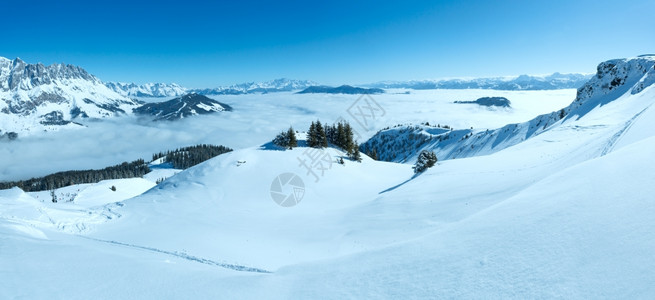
212	43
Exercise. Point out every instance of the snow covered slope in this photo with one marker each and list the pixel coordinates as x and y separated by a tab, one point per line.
133	90
182	107
34	97
616	80
567	213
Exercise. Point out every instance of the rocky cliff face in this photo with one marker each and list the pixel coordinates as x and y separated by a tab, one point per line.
613	79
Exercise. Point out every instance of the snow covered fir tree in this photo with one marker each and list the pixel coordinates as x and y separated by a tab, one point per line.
426	159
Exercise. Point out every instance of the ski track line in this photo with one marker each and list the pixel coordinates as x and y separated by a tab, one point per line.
201	260
617	136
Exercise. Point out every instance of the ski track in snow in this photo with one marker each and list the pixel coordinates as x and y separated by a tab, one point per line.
201	260
617	136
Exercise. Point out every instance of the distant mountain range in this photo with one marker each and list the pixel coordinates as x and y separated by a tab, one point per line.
523	82
175	90
277	85
147	90
344	89
35	97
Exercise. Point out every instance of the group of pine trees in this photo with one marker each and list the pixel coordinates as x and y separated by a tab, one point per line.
339	134
187	157
286	139
182	158
321	136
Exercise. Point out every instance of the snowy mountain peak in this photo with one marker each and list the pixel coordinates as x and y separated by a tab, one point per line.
147	89
276	85
614	78
523	82
35	96
18	75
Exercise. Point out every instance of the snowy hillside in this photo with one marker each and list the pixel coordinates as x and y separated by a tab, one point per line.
182	107
523	82
560	206
615	80
34	97
147	90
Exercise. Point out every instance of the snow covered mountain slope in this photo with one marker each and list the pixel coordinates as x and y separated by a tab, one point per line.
34	97
567	213
523	82
133	90
182	107
546	217
616	80
276	85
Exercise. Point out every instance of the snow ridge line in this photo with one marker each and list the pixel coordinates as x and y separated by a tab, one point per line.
617	136
201	260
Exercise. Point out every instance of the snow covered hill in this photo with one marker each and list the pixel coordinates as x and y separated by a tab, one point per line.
614	81
565	213
34	97
182	107
133	90
523	82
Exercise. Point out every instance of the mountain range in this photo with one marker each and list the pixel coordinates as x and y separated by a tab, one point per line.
147	90
277	85
174	90
35	97
523	82
344	89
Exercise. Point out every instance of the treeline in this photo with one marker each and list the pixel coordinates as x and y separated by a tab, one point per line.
181	158
187	157
137	168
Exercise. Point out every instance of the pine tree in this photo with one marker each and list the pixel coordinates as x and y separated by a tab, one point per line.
348	142
291	134
320	137
311	135
324	141
426	159
354	153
